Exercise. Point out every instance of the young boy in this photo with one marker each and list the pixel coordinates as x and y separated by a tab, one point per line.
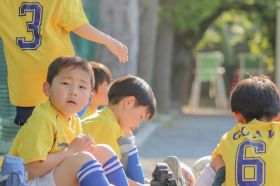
34	34
131	101
51	142
249	150
103	78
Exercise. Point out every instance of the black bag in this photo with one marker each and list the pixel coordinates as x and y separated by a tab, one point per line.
162	176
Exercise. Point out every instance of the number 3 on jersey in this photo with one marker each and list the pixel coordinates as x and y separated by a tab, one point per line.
250	171
33	25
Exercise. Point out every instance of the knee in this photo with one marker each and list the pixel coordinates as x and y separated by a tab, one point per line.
73	164
103	152
81	158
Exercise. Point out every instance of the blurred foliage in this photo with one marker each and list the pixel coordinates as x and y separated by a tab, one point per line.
194	16
249	22
243	30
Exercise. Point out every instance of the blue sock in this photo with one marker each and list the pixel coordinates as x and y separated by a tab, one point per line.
114	172
133	167
92	173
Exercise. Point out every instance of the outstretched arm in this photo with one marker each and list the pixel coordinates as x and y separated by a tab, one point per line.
89	32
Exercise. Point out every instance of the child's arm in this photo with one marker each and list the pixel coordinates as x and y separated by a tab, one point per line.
39	168
89	32
209	175
218	165
206	178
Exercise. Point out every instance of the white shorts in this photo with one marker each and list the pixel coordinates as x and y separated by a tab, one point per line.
45	180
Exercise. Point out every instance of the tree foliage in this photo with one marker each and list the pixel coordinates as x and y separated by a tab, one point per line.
192	18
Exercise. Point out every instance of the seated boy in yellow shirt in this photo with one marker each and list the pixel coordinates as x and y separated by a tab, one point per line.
103	79
247	154
131	102
51	142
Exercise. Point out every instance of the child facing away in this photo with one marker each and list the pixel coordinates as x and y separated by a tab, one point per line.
51	142
131	102
34	34
103	79
247	154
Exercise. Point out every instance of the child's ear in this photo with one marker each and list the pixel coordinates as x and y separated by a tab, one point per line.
238	116
46	88
129	101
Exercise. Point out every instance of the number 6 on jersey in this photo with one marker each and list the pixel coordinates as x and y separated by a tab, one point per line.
250	170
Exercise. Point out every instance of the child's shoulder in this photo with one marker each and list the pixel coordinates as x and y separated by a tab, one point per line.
44	109
104	116
43	113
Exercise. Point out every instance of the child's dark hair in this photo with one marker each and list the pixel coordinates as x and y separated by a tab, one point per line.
101	74
256	97
133	86
69	61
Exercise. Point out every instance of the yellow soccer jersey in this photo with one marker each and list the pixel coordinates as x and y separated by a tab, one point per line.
34	33
88	112
45	132
251	154
104	128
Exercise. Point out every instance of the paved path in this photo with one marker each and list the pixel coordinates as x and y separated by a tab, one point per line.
188	137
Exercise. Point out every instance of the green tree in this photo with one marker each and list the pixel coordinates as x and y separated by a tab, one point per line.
193	18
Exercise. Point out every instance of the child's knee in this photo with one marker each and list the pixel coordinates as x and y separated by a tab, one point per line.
80	158
103	152
71	166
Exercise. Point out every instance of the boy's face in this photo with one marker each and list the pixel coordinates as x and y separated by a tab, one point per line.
100	97
70	90
132	116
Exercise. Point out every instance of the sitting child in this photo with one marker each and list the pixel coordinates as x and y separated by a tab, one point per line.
131	101
103	78
51	142
112	126
247	154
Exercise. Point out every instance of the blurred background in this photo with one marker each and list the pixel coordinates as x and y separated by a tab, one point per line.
173	42
191	52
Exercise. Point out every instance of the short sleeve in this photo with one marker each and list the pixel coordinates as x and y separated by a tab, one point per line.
36	140
217	151
219	148
71	15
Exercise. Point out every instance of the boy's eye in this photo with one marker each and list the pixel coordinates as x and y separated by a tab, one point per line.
83	87
64	83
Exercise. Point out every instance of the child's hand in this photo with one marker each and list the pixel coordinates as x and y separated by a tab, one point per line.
81	143
118	49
